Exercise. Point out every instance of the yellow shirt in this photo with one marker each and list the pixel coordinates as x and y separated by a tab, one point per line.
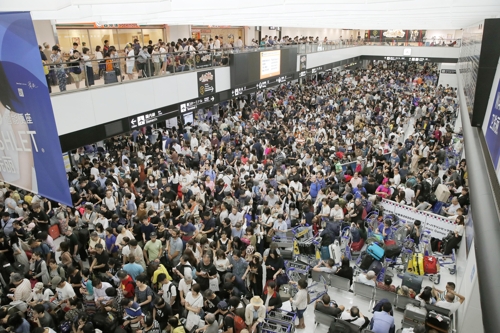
159	270
28	199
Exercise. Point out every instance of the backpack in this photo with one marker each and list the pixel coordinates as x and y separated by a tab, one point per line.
426	188
239	323
65	327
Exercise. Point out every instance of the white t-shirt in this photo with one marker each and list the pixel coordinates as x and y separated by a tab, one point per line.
347	316
65	292
194	301
447	305
185	288
362	278
169	293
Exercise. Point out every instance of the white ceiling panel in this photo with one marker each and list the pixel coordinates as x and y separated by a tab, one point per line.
340	14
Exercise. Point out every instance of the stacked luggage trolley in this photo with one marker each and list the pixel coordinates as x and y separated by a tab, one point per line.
279	321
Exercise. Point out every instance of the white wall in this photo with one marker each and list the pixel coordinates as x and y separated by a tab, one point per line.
44	32
175	32
250	34
127	99
469	313
265	31
448	79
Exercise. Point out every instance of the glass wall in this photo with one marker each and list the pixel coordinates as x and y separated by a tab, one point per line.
116	37
98	36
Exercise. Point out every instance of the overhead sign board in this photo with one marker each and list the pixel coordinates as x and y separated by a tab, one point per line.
206	82
152	117
263	84
198	103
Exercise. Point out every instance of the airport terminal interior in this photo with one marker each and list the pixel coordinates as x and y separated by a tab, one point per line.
276	166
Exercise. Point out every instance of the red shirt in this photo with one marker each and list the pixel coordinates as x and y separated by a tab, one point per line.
128	286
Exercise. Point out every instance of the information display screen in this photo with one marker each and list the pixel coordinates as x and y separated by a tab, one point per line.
270	64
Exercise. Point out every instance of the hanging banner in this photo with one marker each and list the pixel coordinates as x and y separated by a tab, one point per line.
303	63
206	83
491	134
30	152
439	226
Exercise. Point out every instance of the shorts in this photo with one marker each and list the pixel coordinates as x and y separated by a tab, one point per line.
76	77
300	313
130	69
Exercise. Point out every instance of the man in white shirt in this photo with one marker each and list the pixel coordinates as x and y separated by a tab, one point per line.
64	290
368	278
100	287
449	302
239	43
452	209
235	216
185	179
354	316
409	195
217	43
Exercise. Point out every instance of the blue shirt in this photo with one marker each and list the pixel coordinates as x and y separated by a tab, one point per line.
133	269
382	322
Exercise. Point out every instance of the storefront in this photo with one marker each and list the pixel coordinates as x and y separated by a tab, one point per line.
118	35
229	33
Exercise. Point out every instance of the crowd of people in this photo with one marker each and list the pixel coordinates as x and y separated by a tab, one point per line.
177	232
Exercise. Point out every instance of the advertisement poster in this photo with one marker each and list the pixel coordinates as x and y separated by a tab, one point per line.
203	60
303	63
491	135
206	82
30	152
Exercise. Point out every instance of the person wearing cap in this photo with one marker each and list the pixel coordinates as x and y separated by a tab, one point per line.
64	290
153	248
255	313
40	295
22	290
368	278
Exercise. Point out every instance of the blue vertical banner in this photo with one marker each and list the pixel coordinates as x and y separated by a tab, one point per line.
492	131
30	152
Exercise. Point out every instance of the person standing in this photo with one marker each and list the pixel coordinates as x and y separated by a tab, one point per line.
56	58
89	71
300	302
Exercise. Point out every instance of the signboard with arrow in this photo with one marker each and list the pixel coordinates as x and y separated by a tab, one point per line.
206	82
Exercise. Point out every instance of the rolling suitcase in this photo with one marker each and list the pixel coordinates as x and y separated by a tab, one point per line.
438	321
412	281
376	266
110	77
286	254
358	245
335	252
54	231
392	251
325	253
366	262
430	265
375	251
413	316
416	264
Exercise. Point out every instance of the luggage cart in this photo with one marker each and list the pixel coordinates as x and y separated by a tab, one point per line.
316	290
296	270
345	243
270	326
283	242
284	317
449	262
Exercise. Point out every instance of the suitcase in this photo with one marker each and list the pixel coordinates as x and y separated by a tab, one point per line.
430	265
286	254
389	242
54	231
393	251
438	321
375	251
358	245
414	316
324	253
442	193
366	262
110	77
375	266
335	252
412	281
416	264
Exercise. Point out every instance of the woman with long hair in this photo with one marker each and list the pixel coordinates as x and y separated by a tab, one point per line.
458	233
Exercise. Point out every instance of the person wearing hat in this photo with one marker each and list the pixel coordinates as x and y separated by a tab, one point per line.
64	290
22	291
255	313
153	248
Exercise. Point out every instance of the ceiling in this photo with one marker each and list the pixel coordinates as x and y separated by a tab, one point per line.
339	14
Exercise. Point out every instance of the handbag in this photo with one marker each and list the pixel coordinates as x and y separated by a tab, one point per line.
213	284
192	320
282	279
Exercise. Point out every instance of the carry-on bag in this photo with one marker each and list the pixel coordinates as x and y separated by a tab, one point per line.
110	77
413	316
412	281
375	251
430	265
416	264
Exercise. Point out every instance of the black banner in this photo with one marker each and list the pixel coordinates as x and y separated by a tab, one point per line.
206	83
198	103
152	117
203	60
303	63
